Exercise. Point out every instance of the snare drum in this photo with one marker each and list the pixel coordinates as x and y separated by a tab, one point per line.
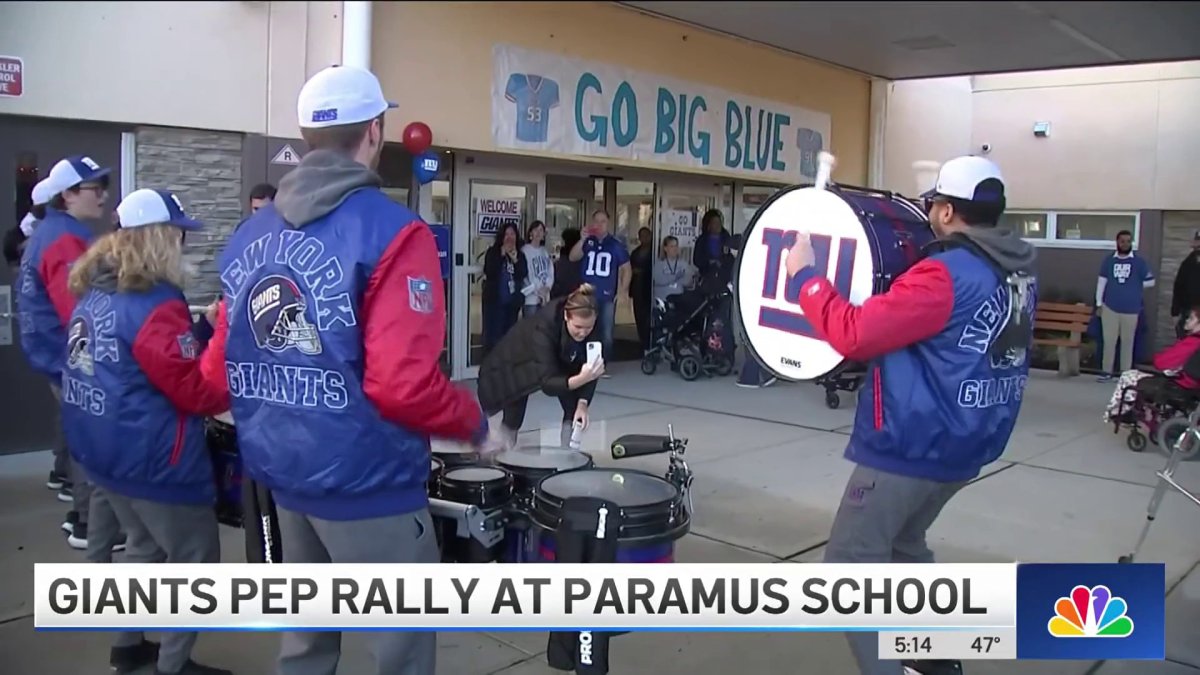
222	444
528	467
653	516
489	489
862	239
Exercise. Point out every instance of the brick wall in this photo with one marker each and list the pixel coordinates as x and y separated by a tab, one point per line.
204	168
1178	227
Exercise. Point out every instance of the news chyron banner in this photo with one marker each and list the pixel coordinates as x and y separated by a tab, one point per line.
935	611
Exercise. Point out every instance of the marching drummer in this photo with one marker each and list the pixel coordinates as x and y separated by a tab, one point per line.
947	347
544	351
330	338
133	397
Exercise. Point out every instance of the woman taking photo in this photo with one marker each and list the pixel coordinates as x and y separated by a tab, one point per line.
546	351
541	268
134	404
504	275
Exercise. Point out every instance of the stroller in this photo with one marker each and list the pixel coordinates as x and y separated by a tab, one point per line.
1159	416
693	331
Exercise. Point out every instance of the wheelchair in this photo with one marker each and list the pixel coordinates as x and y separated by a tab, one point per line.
1158	416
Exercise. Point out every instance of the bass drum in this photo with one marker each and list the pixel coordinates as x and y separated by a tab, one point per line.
862	239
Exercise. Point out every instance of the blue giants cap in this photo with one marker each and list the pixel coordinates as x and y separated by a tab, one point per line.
154	207
66	174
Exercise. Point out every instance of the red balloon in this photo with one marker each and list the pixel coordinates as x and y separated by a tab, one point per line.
417	137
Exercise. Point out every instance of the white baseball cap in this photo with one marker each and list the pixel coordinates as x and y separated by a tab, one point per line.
66	174
340	95
969	178
27	224
153	207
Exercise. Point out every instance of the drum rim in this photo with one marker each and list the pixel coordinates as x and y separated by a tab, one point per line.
658	513
506	478
737	265
518	469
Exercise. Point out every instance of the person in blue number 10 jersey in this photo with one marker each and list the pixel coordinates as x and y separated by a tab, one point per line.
605	265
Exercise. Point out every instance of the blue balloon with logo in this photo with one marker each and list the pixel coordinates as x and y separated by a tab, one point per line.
425	166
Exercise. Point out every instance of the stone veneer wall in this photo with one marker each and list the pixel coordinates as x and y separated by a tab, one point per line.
204	168
1178	229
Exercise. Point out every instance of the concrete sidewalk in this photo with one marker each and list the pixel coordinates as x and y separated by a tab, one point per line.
769	477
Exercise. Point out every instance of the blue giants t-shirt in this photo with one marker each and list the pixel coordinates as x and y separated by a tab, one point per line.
1126	278
810	143
534	96
601	260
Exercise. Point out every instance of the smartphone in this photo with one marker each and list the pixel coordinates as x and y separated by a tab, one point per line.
594	351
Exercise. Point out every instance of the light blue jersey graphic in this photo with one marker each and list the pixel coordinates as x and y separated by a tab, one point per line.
534	96
810	144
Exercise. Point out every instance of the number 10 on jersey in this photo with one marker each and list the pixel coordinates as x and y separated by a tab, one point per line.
599	264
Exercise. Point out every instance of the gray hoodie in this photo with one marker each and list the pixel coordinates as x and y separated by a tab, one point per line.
1011	252
322	181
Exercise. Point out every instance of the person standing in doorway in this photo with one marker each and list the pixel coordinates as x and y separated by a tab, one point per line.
672	274
505	272
1186	291
345	453
641	284
541	268
713	255
566	271
76	190
605	265
1124	276
261	195
919	434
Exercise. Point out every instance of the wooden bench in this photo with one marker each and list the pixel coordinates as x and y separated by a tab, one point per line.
1063	318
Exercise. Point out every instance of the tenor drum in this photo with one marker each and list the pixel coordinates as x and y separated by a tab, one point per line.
453	456
653	516
487	488
862	239
221	437
436	468
528	467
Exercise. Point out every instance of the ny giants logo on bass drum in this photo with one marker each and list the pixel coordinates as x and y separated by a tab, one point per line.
861	240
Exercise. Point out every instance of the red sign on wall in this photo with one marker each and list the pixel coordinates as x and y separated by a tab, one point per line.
12	76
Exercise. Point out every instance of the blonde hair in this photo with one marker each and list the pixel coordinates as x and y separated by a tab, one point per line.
581	302
139	258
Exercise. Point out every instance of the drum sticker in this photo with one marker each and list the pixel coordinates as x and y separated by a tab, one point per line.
277	311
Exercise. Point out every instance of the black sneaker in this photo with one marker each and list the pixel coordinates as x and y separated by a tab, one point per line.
56	481
193	668
65	494
933	667
69	523
133	657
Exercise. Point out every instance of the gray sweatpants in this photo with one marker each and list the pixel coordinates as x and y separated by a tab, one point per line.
81	487
170	533
104	529
1115	327
883	518
394	539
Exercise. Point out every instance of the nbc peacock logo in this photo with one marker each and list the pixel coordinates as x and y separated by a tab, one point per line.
1090	613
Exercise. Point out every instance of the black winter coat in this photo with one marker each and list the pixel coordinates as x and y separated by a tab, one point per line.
537	353
492	261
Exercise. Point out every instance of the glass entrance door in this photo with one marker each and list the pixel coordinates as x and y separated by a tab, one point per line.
680	212
493	204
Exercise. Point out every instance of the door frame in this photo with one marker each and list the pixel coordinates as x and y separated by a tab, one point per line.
676	187
468	169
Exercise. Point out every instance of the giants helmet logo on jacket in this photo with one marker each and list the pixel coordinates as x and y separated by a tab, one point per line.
276	310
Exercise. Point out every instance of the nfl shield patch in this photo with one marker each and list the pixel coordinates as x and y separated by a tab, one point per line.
420	295
188	346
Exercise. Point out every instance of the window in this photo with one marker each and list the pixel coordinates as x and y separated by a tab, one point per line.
1077	229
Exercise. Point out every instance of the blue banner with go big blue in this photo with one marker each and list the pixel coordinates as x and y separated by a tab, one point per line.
543	102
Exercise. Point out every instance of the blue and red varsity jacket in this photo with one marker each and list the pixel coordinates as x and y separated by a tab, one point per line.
44	303
936	404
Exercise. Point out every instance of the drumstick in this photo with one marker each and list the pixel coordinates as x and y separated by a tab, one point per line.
825	162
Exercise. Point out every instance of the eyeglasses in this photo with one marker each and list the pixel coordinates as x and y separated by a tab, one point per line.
96	188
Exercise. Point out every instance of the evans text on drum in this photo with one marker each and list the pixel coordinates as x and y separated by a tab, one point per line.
530	465
652	510
862	240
